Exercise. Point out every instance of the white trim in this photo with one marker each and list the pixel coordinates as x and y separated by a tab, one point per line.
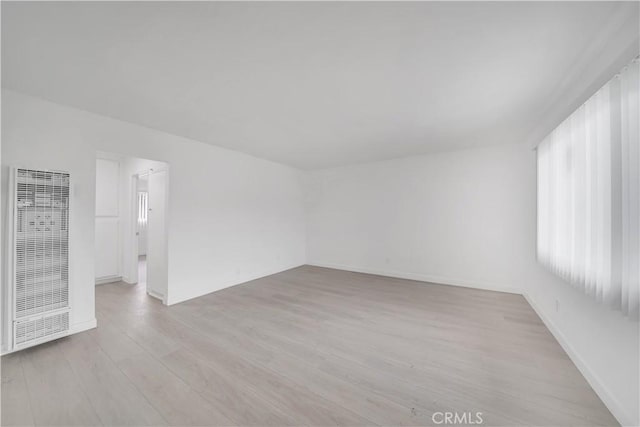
131	236
439	280
83	326
108	279
129	280
11	262
164	296
617	410
155	295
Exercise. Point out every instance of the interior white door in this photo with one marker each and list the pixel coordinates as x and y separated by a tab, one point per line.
156	235
107	265
107	237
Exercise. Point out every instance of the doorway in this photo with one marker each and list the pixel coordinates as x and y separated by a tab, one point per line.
131	211
150	211
142	207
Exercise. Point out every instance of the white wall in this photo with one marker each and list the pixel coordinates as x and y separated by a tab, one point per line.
447	218
468	218
27	141
232	217
107	234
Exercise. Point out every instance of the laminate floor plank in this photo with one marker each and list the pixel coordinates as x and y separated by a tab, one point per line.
113	396
309	346
16	405
178	403
56	395
237	400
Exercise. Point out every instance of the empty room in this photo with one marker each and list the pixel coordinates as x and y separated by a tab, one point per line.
320	213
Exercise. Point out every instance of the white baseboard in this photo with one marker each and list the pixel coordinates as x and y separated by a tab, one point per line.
156	295
592	378
110	279
129	281
439	280
83	326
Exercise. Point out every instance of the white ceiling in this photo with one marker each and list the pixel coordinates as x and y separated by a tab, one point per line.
319	84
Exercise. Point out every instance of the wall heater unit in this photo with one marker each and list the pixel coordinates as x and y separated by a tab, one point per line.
40	257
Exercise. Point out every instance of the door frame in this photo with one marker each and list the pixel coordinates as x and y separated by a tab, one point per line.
132	232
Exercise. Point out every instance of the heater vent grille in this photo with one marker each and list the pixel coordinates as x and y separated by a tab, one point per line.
36	329
41	257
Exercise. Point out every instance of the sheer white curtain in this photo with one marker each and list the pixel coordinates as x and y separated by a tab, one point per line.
589	195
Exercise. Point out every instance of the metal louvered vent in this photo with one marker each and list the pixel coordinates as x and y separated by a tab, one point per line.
42	327
41	258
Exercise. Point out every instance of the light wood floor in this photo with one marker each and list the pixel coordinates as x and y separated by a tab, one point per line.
309	346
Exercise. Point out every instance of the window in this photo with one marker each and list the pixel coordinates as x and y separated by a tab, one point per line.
143	205
589	195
